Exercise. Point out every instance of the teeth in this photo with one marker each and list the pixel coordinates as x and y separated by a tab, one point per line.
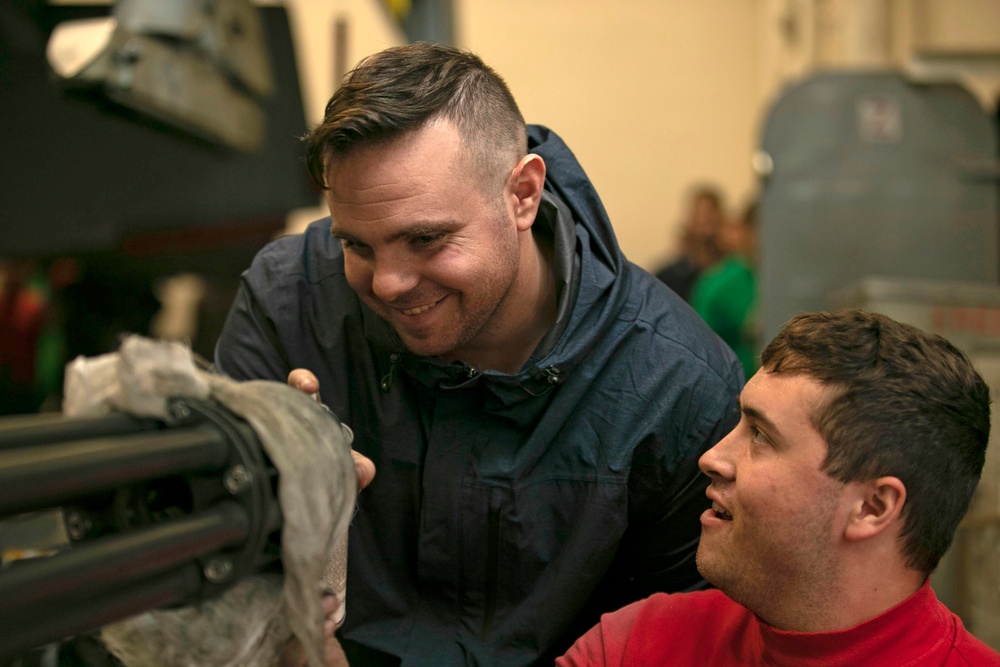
417	310
721	512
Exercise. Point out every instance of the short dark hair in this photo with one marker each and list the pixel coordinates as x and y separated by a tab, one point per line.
709	192
402	88
904	403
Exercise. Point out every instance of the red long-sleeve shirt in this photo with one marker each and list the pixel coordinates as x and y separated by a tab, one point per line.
708	628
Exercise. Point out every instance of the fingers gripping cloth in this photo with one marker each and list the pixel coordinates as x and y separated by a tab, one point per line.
248	624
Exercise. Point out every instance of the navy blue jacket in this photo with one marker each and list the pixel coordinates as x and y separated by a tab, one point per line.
508	510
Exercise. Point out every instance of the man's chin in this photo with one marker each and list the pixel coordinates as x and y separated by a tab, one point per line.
423	347
708	565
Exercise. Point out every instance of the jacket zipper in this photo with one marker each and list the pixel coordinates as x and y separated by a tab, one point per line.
492	562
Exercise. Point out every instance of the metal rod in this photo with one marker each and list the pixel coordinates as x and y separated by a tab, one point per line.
114	563
46	476
26	630
51	428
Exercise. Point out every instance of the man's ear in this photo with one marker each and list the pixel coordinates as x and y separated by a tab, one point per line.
876	507
525	189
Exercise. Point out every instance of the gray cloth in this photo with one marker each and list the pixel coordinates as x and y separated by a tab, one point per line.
250	623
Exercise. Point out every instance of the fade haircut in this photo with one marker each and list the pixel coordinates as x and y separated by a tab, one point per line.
404	88
901	403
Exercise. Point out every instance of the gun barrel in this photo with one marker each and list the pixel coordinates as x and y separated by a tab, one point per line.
175	511
45	476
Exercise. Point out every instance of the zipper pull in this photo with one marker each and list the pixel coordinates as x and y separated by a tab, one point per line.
386	384
544	380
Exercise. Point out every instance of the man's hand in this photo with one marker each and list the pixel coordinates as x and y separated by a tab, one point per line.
333	654
305	381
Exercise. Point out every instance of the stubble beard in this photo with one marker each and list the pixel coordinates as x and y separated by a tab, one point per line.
492	299
478	314
787	585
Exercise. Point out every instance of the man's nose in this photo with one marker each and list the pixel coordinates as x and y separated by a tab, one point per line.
393	276
717	462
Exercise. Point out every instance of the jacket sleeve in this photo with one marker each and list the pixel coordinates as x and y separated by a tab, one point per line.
667	499
666	489
248	347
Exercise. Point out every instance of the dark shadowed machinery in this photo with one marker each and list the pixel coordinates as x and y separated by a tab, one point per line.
144	140
127	514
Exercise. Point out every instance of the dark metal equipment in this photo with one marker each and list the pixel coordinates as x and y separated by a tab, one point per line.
129	175
155	513
868	174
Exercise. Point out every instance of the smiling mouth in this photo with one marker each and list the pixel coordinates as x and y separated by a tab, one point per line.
721	513
420	309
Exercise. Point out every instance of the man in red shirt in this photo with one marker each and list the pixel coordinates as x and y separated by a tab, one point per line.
860	444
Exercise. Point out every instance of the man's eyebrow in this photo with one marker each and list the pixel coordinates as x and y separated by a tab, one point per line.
758	416
416	229
340	234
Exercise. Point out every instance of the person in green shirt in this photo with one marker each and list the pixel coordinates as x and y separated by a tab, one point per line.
725	294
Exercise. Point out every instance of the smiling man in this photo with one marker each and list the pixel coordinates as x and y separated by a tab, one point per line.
534	403
431	253
860	445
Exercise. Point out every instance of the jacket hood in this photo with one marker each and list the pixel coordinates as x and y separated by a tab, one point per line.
566	178
603	280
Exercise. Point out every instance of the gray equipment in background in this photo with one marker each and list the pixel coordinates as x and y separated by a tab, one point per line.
867	174
200	66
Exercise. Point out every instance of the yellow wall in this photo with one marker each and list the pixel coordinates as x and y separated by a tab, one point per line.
651	95
313	26
655	95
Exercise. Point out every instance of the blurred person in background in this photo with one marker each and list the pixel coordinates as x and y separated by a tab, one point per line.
699	240
725	294
23	314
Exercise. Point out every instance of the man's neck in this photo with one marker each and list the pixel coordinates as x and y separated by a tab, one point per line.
529	311
846	603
